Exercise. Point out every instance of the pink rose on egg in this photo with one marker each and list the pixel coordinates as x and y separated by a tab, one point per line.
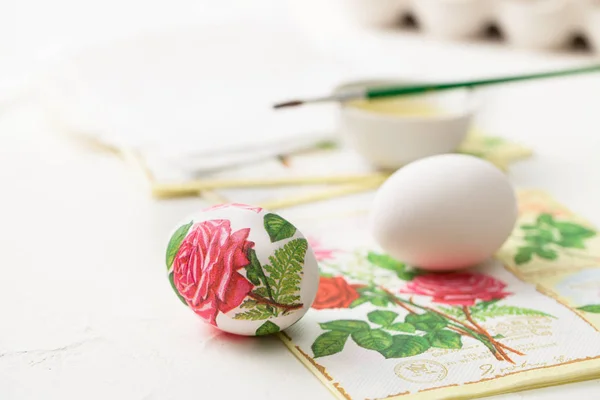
457	288
205	269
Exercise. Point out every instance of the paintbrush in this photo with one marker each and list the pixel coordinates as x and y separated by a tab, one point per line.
404	90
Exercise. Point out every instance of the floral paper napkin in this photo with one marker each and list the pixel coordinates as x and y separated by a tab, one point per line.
380	329
334	160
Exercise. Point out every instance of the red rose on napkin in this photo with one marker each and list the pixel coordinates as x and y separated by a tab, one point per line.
457	288
334	293
205	268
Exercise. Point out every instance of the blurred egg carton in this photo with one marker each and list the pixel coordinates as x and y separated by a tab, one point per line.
535	24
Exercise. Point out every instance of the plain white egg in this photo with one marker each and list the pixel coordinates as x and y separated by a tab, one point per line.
444	212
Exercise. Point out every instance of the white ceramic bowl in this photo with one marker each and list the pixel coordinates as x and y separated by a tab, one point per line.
453	19
545	24
391	141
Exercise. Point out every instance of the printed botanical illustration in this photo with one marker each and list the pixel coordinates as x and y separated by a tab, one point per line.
548	237
462	300
276	285
422	334
214	269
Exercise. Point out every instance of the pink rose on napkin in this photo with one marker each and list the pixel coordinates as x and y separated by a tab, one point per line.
462	288
321	253
205	268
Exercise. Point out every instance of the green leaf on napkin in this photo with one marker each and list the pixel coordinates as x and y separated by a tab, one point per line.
345	325
329	343
548	237
591	308
547	254
494	310
401	327
524	255
382	317
372	339
427	322
571	230
444	339
406	346
386	262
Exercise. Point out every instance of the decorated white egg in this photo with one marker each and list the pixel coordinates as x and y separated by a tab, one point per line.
444	212
242	269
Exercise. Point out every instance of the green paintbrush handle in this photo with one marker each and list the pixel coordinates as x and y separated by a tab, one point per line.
390	91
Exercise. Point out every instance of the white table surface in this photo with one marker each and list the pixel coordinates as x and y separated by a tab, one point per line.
85	308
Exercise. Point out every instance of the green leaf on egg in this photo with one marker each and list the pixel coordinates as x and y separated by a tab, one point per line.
267	328
285	271
256	312
256	275
278	228
254	271
175	242
172	282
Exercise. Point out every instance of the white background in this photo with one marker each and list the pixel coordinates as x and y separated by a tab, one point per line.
85	307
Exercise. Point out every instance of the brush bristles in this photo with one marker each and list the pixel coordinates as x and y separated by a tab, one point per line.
293	103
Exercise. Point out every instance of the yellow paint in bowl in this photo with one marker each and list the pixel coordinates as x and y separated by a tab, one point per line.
398	107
